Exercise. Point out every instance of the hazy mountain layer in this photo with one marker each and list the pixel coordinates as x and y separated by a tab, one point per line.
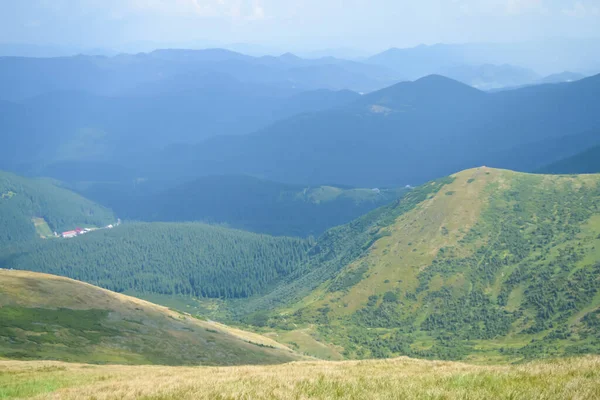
405	134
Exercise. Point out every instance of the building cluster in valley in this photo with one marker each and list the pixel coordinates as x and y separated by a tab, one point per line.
76	232
80	231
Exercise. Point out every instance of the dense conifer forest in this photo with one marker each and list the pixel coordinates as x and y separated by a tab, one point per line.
167	258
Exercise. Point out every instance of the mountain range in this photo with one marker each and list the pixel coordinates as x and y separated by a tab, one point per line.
489	76
74	126
312	205
408	133
115	116
24	78
545	57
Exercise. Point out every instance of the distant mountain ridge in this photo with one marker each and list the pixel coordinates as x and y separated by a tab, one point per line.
489	76
101	108
24	78
405	134
566	76
79	126
545	57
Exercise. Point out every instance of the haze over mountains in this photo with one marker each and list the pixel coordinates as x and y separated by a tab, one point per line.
436	123
123	113
545	57
166	69
299	199
316	201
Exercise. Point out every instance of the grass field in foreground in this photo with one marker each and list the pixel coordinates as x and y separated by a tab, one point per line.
401	378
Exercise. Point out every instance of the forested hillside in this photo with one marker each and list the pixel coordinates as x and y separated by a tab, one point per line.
586	162
53	318
167	258
496	263
241	202
31	208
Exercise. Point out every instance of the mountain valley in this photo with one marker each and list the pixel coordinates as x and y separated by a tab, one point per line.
193	222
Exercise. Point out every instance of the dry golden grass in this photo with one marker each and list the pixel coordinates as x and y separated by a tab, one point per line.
400	378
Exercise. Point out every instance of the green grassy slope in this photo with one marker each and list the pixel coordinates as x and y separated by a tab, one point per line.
49	317
495	264
31	208
335	249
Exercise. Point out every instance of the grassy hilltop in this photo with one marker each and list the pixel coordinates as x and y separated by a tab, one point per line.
492	264
54	318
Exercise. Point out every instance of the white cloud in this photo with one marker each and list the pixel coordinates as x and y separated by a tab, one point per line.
581	10
32	24
524	6
236	9
500	7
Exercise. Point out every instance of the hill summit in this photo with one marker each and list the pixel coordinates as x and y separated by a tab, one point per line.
492	262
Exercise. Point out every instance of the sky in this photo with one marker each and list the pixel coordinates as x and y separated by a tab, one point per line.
369	25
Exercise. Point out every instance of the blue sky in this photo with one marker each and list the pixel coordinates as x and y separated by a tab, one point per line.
294	24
